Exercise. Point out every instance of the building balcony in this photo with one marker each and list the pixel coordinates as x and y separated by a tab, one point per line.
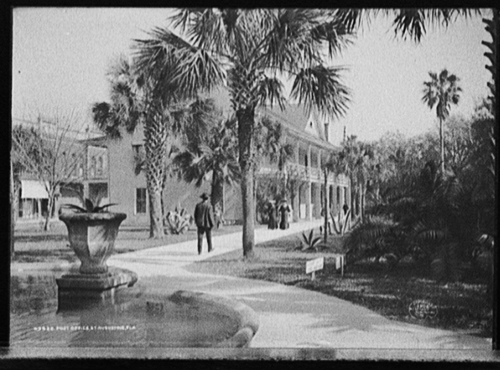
304	173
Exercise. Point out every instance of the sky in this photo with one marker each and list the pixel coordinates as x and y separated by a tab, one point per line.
61	57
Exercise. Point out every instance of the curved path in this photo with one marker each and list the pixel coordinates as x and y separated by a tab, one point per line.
290	317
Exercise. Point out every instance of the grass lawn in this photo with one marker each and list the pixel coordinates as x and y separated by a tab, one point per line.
52	246
463	306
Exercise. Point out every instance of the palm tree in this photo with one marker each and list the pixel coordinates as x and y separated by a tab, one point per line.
249	50
357	159
335	164
269	143
212	155
441	91
135	100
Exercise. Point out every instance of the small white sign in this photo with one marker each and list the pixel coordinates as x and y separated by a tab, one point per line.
339	262
315	265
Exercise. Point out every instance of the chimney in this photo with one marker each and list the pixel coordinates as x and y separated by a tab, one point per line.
327	131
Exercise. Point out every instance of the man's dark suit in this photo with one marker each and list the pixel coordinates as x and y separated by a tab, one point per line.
204	221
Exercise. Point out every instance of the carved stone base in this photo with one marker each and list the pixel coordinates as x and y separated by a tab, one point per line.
76	289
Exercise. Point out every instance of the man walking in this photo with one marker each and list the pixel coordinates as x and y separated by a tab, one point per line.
204	222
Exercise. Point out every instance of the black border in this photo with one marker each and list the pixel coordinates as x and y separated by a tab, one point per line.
76	363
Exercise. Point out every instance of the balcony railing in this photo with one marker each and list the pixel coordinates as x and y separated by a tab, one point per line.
305	173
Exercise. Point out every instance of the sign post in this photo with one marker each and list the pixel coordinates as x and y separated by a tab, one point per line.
339	262
314	265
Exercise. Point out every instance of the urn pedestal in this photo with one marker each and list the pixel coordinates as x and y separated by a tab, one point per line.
92	237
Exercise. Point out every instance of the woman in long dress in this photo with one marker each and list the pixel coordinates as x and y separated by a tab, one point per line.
271	213
284	210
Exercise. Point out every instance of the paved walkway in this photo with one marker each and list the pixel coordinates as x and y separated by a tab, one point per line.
289	317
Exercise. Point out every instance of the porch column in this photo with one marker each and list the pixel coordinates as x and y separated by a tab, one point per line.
317	200
349	195
336	197
309	186
39	211
296	200
296	203
319	197
308	200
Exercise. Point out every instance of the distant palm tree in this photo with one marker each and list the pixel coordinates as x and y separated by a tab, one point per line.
357	161
269	143
248	50
335	164
442	91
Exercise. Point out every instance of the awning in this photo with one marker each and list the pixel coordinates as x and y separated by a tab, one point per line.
33	189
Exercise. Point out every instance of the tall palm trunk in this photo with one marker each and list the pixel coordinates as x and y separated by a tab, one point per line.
217	192
155	135
245	140
441	145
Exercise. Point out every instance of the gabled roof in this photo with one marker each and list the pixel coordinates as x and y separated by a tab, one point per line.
294	117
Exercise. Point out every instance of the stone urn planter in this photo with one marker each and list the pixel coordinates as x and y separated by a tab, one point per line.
92	237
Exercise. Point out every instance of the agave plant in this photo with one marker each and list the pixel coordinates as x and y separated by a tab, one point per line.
309	242
89	205
178	221
341	224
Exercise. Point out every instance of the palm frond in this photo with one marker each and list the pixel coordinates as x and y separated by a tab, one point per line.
336	33
288	42
197	71
176	66
413	23
321	87
271	92
105	120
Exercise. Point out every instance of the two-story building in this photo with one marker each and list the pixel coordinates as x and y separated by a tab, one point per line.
88	155
314	137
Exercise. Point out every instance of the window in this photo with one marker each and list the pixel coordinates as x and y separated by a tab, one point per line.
140	200
92	166
70	190
99	166
98	189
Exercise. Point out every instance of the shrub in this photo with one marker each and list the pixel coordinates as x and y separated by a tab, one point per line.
377	237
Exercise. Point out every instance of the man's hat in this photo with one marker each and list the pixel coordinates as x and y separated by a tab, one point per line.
204	196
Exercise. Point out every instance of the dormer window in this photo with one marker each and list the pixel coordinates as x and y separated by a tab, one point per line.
310	124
